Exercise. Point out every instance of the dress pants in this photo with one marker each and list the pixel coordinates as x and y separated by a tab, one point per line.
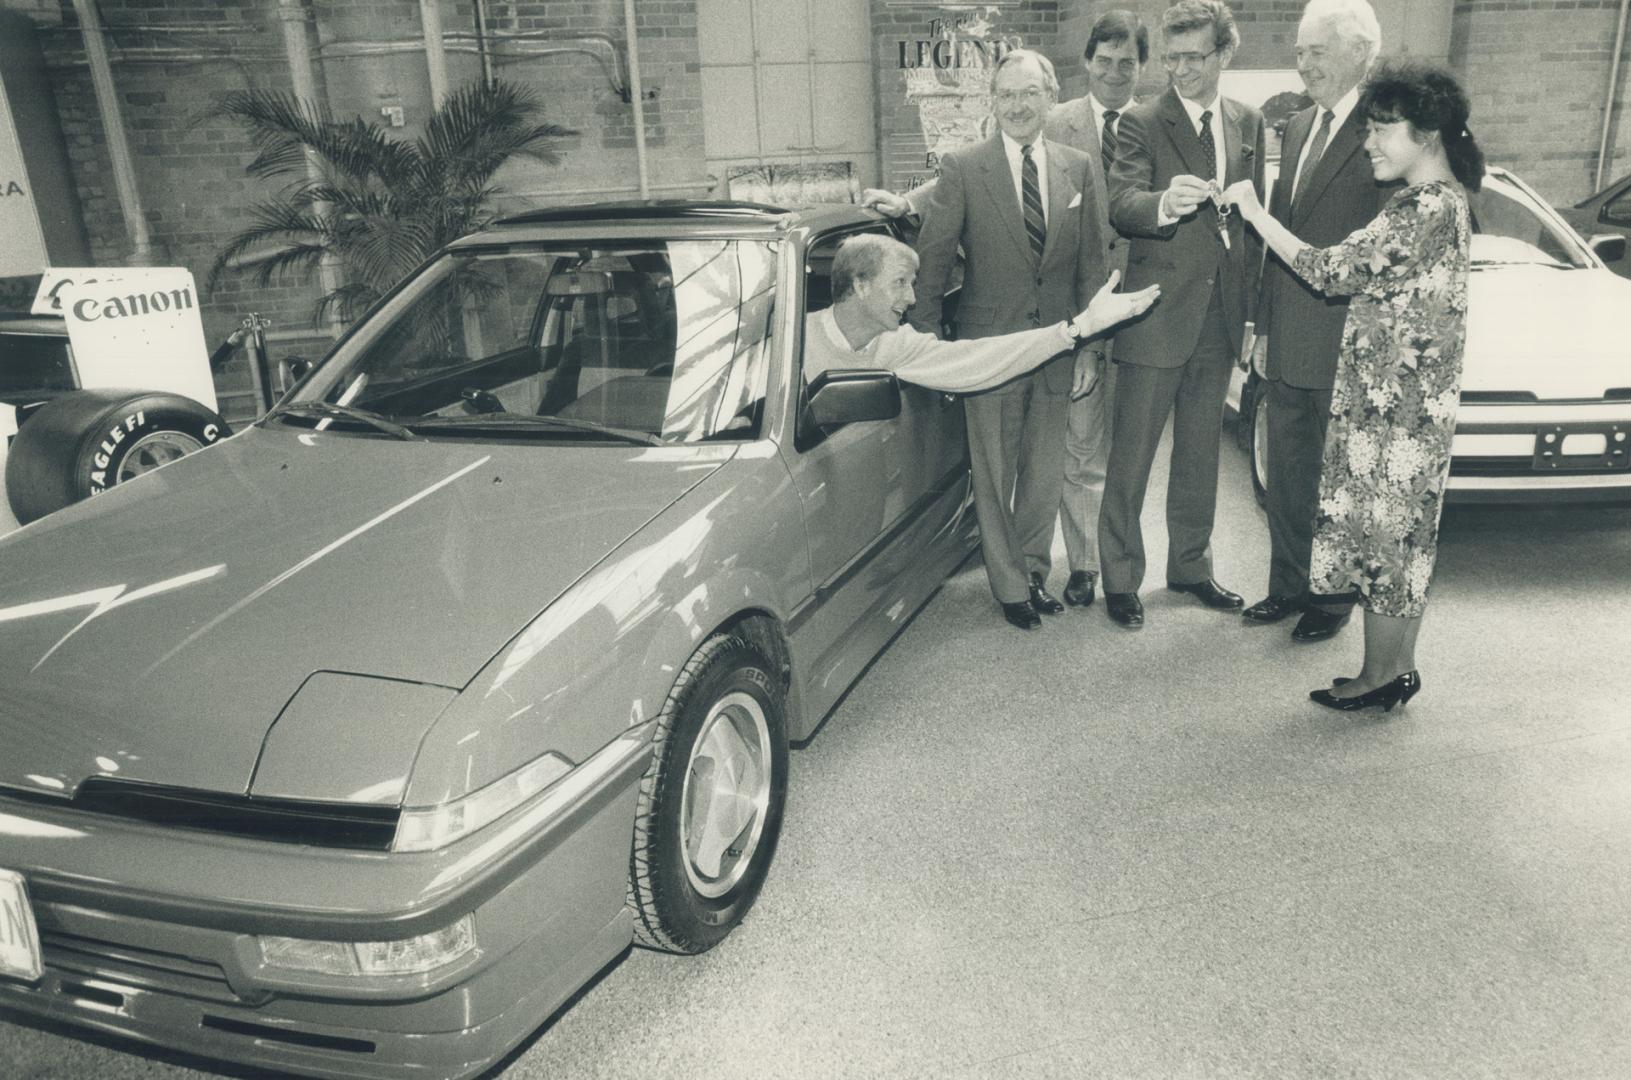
1087	455
1016	447
1297	420
1192	394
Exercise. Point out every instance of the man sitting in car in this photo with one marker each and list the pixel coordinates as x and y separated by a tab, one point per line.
872	288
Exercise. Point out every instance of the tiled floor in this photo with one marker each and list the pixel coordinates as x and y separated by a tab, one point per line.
1091	853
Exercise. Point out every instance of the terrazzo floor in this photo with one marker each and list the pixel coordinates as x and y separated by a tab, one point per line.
1086	852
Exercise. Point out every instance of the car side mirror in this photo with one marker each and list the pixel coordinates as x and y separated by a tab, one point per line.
1610	247
845	397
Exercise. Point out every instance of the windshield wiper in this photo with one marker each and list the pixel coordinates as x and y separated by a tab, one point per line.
331	411
501	421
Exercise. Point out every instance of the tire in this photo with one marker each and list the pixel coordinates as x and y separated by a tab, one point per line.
85	442
1259	450
702	847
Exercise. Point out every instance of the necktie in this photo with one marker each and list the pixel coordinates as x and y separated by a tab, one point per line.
1209	147
1311	157
1030	197
1107	139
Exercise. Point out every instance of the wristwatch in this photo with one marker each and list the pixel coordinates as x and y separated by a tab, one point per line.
1073	332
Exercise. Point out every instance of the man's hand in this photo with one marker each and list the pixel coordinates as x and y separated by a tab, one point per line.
885	202
1109	307
1184	195
1089	371
1260	356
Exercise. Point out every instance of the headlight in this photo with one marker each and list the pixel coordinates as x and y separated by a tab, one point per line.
406	956
428	828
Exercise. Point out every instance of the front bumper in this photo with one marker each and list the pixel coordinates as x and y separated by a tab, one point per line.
1541	452
181	968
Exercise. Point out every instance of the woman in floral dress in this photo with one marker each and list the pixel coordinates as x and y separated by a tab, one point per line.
1387	449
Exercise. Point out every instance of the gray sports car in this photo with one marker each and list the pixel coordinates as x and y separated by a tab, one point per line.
355	744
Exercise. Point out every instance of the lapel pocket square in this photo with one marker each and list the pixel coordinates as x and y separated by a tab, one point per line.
1074	203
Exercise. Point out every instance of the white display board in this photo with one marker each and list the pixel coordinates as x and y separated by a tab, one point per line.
137	327
22	244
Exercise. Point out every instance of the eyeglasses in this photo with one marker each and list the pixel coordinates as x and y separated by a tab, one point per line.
1174	61
1030	96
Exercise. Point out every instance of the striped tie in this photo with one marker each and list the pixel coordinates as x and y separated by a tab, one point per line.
1030	196
1107	139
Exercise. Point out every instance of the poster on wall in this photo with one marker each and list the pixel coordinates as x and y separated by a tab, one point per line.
936	84
22	244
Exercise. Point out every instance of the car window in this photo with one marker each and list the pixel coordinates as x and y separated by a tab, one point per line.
31	363
1617	211
670	339
818	287
1508	229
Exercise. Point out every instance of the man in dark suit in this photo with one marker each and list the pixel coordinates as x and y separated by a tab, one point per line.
1325	191
1172	154
1118	46
1026	215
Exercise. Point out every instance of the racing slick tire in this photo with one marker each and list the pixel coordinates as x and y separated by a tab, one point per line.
83	443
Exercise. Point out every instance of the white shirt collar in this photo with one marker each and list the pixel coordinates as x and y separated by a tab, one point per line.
1340	111
1014	150
1195	110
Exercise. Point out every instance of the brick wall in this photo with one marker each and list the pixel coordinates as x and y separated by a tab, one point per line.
1537	71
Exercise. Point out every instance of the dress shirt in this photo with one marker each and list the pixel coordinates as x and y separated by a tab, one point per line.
1098	108
1016	162
960	367
1339	116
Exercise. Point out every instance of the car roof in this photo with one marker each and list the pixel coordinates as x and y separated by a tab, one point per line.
670	218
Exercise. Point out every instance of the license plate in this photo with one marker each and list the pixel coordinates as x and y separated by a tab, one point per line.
1582	447
19	937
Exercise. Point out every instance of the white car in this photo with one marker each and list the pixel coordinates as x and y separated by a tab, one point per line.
1546	387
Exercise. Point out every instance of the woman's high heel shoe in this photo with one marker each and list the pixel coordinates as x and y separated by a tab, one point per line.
1384	697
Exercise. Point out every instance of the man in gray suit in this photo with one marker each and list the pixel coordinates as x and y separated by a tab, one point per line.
1118	46
1172	154
1025	212
1325	191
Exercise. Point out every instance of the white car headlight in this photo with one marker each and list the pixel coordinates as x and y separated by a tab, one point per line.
405	956
428	828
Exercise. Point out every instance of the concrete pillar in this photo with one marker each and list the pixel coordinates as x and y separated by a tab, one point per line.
113	129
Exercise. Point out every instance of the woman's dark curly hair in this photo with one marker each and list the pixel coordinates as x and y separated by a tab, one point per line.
1431	100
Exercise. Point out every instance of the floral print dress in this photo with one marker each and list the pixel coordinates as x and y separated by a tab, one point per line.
1387	449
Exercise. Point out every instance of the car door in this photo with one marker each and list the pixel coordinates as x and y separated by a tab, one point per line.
880	501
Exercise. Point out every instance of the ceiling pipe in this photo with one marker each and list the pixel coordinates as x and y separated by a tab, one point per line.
637	95
1608	99
113	128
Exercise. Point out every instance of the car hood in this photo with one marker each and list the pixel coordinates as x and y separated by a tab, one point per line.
156	631
1553	333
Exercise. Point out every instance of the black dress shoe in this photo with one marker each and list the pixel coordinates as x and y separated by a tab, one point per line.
1041	600
1022	615
1317	625
1384	697
1272	609
1124	609
1079	589
1209	593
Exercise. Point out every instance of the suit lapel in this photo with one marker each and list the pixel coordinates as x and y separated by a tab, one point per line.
1061	190
1291	148
1234	146
1181	130
1346	141
999	182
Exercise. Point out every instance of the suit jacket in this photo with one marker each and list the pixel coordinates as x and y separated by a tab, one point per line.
1304	328
1072	123
1005	288
1155	141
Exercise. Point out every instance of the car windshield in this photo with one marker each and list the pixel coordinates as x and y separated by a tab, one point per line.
1509	229
649	342
31	363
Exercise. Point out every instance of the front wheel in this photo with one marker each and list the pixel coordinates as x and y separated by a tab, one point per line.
710	806
1260	445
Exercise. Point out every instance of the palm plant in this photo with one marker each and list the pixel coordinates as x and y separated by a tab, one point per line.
379	205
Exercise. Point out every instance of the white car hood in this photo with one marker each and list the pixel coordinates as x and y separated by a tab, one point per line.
1559	334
